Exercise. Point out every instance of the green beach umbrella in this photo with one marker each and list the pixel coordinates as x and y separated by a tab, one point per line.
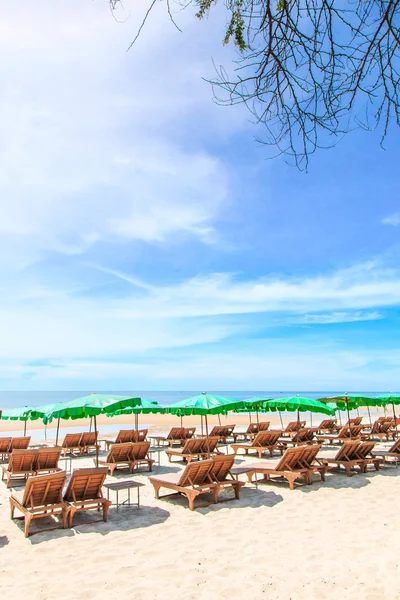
203	405
299	404
17	414
390	398
348	402
146	407
254	404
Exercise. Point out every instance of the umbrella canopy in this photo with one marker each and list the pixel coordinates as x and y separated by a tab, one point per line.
348	401
299	403
90	406
17	414
146	407
254	404
204	404
384	399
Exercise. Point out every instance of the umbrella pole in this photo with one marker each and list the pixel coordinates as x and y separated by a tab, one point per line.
395	418
348	416
340	417
258	422
208	440
298	419
90	426
280	417
311	418
219	420
369	414
250	417
58	429
25	425
201	424
136	422
181	421
97	446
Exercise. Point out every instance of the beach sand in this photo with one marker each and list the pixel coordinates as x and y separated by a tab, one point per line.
337	539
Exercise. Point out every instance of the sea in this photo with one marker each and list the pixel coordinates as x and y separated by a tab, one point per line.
164	398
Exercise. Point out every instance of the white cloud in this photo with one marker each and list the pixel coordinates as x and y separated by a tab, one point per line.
340	317
393	219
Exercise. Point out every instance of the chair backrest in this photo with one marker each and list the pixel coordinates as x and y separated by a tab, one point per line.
227	430
309	455
47	458
291	460
252	428
327	424
5	444
264	425
139	450
216	430
89	438
294	426
176	433
266	439
43	490
189	432
20	443
221	467
139	435
22	461
396	447
209	444
195	473
348	451
354	421
193	446
364	449
303	435
376	427
72	440
85	484
119	453
350	431
124	435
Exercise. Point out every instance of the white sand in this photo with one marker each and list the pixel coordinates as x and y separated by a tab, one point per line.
337	539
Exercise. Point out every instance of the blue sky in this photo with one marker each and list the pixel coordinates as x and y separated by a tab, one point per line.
147	243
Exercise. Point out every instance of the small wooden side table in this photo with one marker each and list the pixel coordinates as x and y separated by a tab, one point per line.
124	485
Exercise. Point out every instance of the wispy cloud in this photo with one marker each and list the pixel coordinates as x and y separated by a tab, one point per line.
393	219
340	317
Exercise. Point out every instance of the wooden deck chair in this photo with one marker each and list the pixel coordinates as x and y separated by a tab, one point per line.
210	445
220	474
124	435
293	427
309	460
194	448
71	443
249	434
265	441
84	492
175	436
191	482
346	457
302	436
390	455
381	430
226	432
5	445
139	435
289	467
139	455
364	453
347	432
216	430
189	432
41	498
327	426
354	421
264	425
21	464
20	443
118	457
47	460
88	442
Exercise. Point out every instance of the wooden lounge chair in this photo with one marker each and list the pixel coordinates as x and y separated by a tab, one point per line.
193	448
346	457
289	467
21	464
302	436
175	436
191	482
189	432
47	460
392	454
71	444
5	444
364	453
41	498
293	427
327	426
84	492
118	457
20	443
347	432
265	441
251	431
220	474
124	436
210	445
223	432
139	435
309	460
139	455
381	430
88	442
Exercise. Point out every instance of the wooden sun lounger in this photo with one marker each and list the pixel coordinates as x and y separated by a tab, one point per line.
88	442
139	455
293	427
251	431
220	474
189	432
346	433
265	441
381	430
223	432
193	449
84	492
346	457
71	444
139	435
210	446
20	443
175	436
118	457
327	426
5	444
21	464
47	460
191	482
124	436
390	455
309	460
289	467
302	436
41	498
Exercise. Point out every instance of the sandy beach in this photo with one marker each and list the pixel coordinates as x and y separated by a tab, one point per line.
337	539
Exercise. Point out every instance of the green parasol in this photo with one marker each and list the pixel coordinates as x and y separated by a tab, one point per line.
254	404
348	402
390	398
299	404
145	407
204	405
17	414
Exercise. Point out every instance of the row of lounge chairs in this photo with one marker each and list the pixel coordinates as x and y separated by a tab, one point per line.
43	496
23	463
129	455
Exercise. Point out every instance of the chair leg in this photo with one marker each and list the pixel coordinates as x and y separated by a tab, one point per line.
156	486
28	519
12	509
106	506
